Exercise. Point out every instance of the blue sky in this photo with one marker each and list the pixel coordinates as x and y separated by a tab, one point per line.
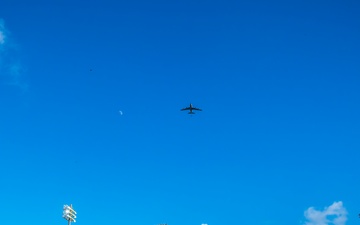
277	142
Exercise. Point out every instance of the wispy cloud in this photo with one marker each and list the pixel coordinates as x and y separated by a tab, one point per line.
2	33
2	37
334	214
11	68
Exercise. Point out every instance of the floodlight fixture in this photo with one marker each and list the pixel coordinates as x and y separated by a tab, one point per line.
69	214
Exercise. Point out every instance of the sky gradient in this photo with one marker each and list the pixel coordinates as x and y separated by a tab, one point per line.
277	142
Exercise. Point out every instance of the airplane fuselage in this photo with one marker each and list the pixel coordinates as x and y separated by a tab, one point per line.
191	108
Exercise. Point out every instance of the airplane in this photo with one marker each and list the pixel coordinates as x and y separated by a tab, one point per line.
191	108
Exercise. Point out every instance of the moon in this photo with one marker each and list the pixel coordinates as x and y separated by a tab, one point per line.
120	112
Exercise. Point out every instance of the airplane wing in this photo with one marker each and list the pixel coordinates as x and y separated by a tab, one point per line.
197	109
187	108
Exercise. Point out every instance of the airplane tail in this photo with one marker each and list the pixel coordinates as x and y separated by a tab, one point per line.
191	112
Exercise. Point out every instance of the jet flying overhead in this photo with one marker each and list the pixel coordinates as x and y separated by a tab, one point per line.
191	108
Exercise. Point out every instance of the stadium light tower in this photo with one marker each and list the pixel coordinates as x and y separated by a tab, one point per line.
69	214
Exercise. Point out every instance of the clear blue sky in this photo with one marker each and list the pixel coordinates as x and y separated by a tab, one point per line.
278	82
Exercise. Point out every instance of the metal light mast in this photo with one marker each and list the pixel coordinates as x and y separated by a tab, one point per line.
69	214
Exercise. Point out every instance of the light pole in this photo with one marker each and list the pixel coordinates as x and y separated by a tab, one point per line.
69	214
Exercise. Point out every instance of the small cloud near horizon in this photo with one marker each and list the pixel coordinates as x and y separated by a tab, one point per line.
334	214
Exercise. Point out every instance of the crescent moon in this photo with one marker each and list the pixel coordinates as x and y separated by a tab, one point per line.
121	113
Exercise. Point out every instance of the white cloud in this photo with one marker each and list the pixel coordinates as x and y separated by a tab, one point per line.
334	214
2	32
2	37
11	69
